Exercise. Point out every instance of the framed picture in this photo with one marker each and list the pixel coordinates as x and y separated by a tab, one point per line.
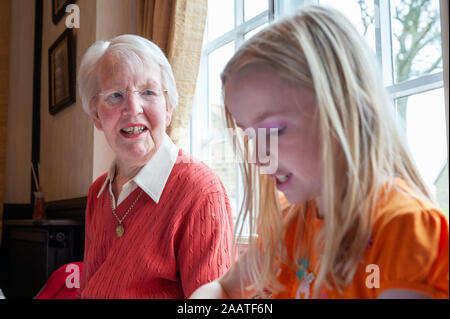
61	67
59	9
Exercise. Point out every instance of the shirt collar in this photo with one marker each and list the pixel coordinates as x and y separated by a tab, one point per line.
153	176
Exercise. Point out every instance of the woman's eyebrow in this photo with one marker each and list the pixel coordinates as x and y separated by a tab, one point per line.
151	82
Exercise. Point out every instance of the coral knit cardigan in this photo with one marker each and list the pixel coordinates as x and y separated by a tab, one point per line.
168	249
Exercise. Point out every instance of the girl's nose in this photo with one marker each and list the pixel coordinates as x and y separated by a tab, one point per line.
264	148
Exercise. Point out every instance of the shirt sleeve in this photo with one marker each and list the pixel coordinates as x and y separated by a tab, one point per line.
411	251
205	251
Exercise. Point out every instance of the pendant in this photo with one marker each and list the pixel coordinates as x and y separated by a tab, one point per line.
120	230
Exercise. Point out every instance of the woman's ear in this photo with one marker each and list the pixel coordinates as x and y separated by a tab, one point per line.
169	111
95	117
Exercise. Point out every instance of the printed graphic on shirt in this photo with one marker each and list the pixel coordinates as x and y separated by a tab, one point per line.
305	278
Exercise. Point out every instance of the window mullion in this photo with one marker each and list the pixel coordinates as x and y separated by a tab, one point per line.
272	10
239	20
384	40
416	86
239	40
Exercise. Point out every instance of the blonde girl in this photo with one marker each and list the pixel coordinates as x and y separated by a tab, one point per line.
362	223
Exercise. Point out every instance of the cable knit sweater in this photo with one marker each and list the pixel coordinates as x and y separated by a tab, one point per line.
168	249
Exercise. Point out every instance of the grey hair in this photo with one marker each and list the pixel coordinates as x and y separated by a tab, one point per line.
134	50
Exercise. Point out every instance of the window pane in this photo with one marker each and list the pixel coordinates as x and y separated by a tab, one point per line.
254	7
361	13
423	116
249	34
220	17
216	62
416	38
221	156
217	151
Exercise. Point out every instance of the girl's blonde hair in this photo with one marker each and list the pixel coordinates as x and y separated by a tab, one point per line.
361	146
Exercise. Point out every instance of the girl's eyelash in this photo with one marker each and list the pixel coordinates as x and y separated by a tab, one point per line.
279	130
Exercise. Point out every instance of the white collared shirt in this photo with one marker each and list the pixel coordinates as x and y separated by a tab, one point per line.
151	178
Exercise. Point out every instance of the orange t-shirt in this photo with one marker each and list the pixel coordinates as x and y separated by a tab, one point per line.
409	249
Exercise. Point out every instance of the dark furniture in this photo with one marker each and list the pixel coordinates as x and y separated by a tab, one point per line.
33	250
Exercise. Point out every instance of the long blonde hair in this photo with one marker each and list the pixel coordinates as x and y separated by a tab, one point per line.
362	147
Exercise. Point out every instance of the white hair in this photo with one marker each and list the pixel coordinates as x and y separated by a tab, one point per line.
134	50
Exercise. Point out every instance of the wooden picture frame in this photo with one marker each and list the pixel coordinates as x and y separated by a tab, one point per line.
59	9
61	72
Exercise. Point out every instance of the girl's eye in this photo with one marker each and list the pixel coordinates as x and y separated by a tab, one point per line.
281	130
277	130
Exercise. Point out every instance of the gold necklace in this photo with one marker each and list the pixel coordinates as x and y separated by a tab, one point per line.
120	230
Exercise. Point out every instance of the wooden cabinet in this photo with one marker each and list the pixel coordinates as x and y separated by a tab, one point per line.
33	250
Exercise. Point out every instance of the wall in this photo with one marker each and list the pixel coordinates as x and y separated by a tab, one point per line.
20	103
5	18
72	152
66	137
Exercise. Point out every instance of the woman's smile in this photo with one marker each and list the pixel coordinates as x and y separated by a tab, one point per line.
133	131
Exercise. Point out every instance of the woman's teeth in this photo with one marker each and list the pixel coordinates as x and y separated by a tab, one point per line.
282	178
133	130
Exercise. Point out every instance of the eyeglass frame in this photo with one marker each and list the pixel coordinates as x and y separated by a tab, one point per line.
127	92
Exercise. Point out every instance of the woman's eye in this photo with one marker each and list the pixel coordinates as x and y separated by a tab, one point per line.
114	98
148	92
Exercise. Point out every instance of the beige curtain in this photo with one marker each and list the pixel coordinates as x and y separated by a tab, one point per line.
177	27
5	11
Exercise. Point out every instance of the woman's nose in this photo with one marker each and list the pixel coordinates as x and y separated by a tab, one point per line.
133	104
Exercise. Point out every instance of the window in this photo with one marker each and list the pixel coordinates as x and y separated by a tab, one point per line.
229	24
405	37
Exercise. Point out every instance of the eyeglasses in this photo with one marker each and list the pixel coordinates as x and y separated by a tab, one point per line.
115	98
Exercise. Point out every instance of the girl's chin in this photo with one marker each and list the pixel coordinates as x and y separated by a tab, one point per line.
295	196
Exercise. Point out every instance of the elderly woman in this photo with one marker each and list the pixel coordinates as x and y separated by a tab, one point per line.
158	223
